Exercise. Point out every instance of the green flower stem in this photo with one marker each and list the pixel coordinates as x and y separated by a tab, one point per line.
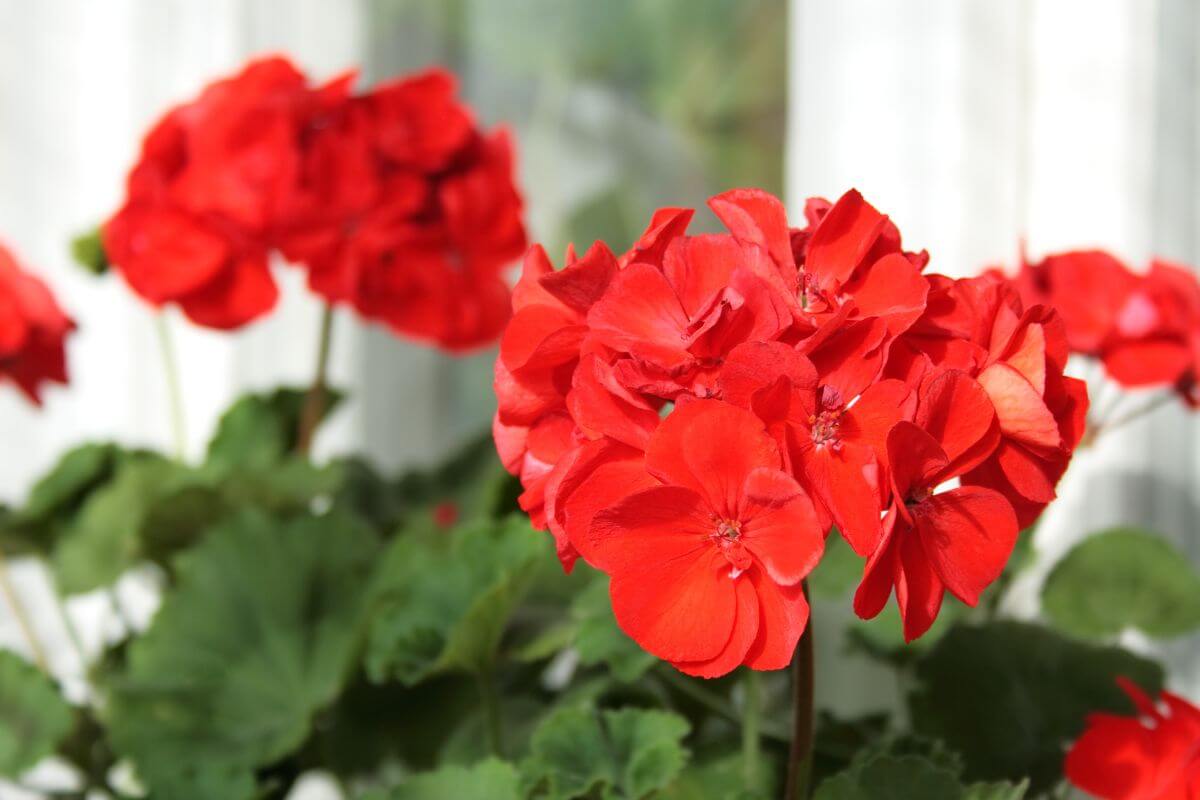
493	722
751	724
174	392
801	756
60	603
22	617
314	402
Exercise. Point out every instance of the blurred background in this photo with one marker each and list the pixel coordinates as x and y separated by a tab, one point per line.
973	124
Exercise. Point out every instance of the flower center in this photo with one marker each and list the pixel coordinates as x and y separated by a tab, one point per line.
824	427
727	534
729	530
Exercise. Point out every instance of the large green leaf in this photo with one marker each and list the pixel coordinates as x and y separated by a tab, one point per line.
487	780
34	718
1123	578
1009	696
628	753
443	598
257	636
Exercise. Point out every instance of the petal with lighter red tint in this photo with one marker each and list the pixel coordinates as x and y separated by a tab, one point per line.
1021	411
967	534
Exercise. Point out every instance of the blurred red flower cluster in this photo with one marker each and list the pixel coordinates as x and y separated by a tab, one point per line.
1144	327
1152	756
393	200
693	417
32	330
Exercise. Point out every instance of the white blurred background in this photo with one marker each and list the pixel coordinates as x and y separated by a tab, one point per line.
973	123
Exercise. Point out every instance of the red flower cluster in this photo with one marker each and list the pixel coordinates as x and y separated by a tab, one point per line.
1144	328
32	330
1155	756
394	201
694	416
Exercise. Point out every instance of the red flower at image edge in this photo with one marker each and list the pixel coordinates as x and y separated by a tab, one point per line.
1152	756
707	565
33	330
392	200
1143	327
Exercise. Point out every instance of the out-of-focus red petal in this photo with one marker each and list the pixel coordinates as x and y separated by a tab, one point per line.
244	292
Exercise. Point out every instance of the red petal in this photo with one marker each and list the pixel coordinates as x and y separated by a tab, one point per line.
746	628
1019	408
665	225
1026	353
244	292
879	571
540	336
880	407
915	458
753	366
957	412
919	592
579	285
1152	362
640	314
601	406
679	609
968	534
757	217
698	268
783	615
599	475
894	289
710	447
848	483
779	525
844	236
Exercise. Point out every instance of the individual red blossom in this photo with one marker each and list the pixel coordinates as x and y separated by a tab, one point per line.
959	539
32	330
212	177
1152	756
1155	340
706	566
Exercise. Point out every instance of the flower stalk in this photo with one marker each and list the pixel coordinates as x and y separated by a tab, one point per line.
315	400
174	392
751	729
801	755
22	616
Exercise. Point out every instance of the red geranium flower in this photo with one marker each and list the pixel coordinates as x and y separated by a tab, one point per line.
958	539
707	566
1153	756
32	330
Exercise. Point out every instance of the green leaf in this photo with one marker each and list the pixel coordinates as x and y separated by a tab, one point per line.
259	430
840	569
890	777
34	719
444	598
723	779
1011	695
472	478
102	541
88	251
488	780
257	636
630	753
1123	578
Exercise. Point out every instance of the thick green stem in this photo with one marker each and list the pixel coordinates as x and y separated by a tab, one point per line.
751	729
492	719
174	392
801	755
22	617
314	401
